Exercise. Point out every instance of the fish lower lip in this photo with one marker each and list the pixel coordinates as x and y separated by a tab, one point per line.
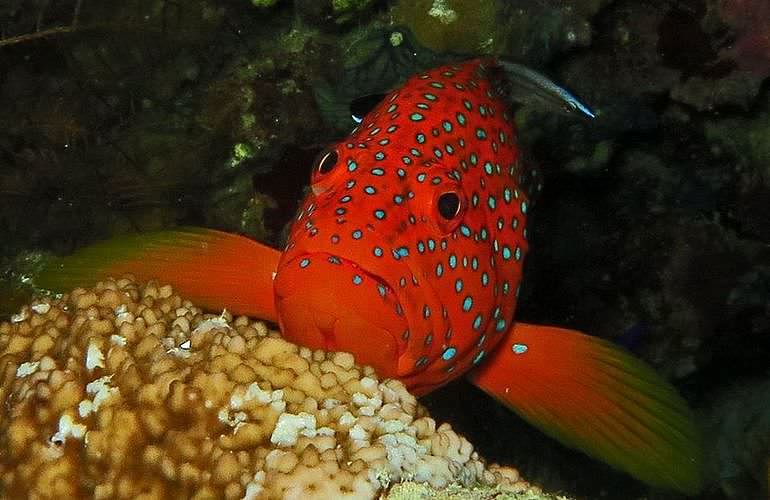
327	302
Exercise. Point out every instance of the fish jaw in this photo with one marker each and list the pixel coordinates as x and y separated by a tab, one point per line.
347	309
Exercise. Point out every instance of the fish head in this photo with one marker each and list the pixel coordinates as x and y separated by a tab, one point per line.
408	250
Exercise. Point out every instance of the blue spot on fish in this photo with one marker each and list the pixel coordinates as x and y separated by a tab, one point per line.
519	348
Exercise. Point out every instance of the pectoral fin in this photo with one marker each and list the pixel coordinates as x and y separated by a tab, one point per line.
593	396
216	270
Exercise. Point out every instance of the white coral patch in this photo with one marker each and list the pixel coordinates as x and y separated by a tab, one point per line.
278	406
94	357
256	393
330	403
211	324
347	419
369	383
254	489
360	399
41	308
263	397
68	428
288	428
18	318
234	420
118	340
101	391
122	315
358	432
391	426
27	368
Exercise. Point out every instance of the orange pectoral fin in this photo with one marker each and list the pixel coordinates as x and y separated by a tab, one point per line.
592	395
216	270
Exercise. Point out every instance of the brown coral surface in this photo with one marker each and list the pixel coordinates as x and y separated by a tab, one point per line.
129	391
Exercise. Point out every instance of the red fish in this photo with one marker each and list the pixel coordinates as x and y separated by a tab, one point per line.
409	253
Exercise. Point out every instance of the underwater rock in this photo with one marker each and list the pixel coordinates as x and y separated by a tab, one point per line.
649	183
624	63
743	140
739	455
698	304
695	300
329	14
526	31
376	59
238	207
103	136
752	291
535	32
593	163
258	105
751	206
124	389
738	89
749	21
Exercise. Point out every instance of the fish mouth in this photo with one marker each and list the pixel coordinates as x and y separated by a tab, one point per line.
328	302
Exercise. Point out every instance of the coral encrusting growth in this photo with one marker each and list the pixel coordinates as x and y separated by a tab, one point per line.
128	390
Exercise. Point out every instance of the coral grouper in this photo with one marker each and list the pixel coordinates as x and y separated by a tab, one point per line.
408	253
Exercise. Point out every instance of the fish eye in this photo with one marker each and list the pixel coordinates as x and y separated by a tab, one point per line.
449	205
326	161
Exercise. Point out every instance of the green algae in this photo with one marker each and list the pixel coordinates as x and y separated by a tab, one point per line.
347	6
410	490
263	3
242	151
746	138
17	283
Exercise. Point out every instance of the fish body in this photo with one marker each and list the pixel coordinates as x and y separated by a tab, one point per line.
408	253
422	211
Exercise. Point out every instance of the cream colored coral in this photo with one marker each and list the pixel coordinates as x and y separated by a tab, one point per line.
126	390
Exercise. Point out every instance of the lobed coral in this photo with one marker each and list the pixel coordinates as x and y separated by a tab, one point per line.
128	390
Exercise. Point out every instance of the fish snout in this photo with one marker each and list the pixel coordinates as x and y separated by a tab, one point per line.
330	303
